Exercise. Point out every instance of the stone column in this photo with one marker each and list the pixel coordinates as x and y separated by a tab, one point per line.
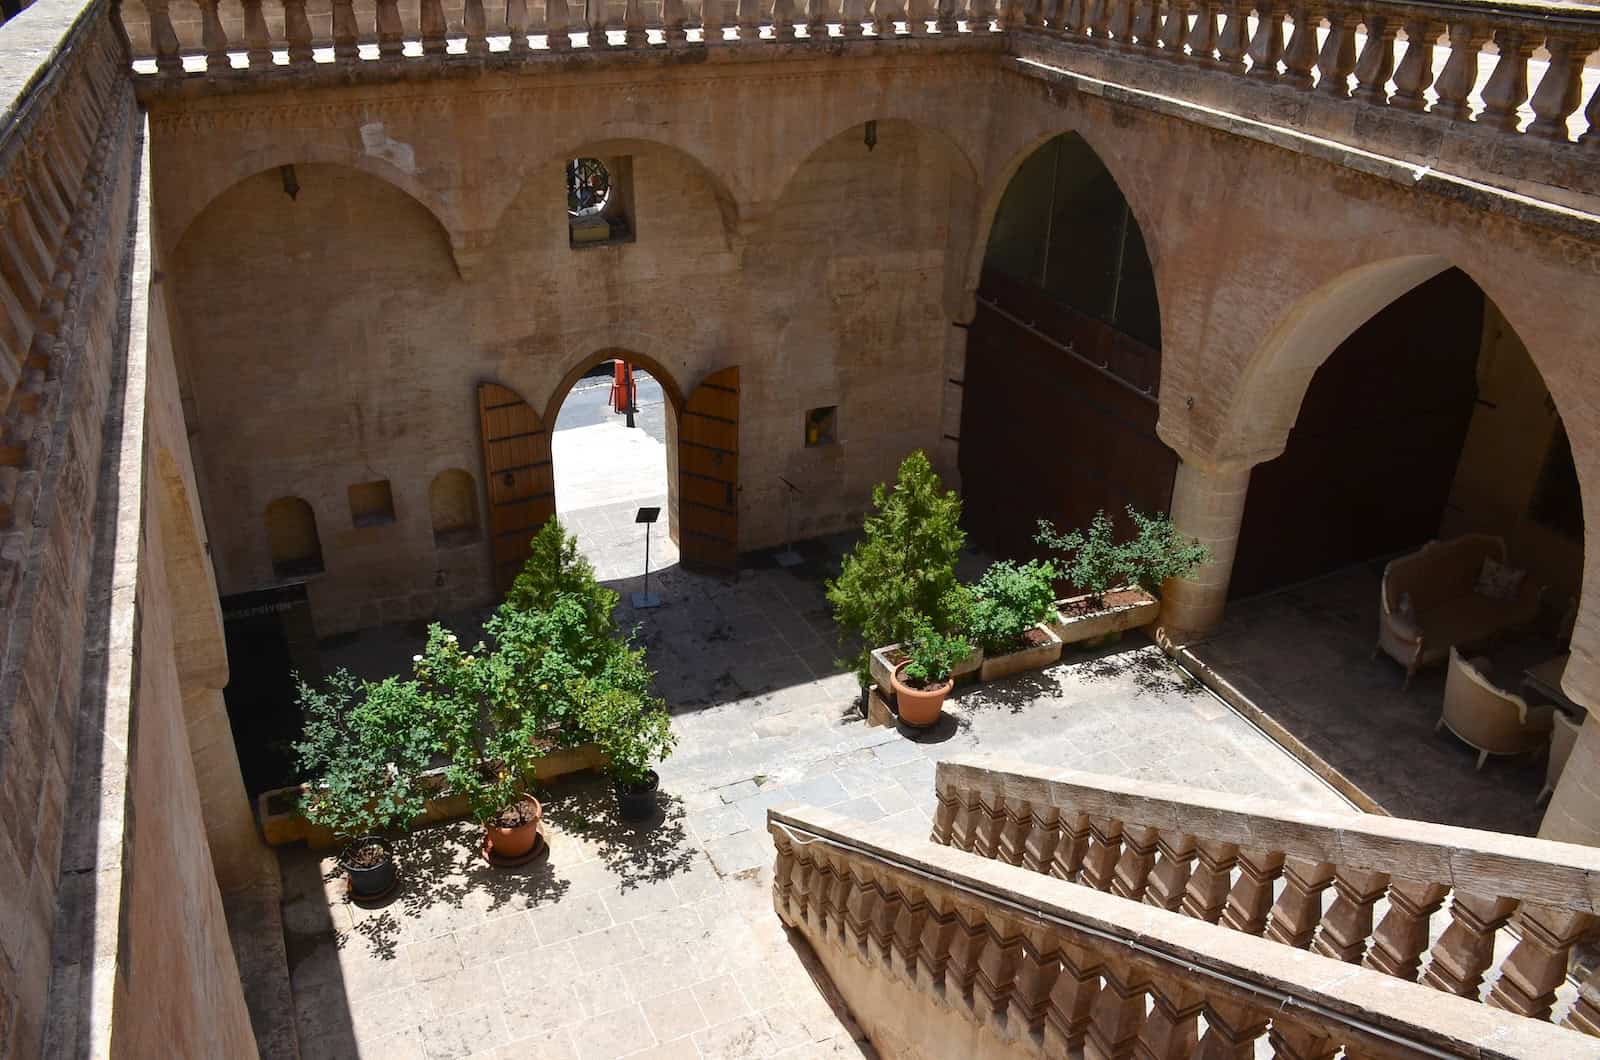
1573	815
239	857
1208	505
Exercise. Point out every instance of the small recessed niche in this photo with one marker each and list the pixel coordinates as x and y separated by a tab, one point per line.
599	201
822	426
371	503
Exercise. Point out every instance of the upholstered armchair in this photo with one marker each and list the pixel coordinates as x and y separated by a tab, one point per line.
1487	718
1437	581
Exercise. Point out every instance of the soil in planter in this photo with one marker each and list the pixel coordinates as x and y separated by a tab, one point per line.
365	856
921	686
1110	601
1032	637
516	816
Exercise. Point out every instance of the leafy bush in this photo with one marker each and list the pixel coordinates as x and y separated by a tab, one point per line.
632	727
489	751
931	655
1095	562
365	745
555	568
904	567
1010	599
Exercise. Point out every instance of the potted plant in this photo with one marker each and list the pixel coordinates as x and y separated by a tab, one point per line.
632	727
902	570
1119	581
1011	601
489	742
364	746
923	680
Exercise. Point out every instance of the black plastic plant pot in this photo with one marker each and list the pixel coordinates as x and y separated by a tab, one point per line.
638	803
369	881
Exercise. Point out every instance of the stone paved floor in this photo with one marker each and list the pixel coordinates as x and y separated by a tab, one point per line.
662	942
1304	656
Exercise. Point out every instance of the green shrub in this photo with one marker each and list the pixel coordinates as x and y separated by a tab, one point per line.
1010	599
555	568
904	566
931	655
1095	562
489	749
632	727
364	747
1157	552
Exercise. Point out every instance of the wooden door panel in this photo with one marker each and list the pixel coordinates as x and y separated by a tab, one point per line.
518	474
708	474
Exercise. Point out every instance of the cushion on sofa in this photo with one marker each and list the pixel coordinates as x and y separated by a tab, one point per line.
1498	581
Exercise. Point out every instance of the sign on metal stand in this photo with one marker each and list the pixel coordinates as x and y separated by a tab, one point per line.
646	599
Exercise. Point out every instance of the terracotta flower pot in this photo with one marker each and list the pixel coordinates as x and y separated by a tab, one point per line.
518	840
919	707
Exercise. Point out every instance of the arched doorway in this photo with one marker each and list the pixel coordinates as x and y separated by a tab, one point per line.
1063	365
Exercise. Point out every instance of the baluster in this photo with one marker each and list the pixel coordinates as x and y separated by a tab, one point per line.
967	817
1561	89
939	927
1348	923
1011	13
945	16
1032	13
1585	1012
1376	64
1067	862
345	32
980	16
1507	87
1538	963
1337	59
1171	1029
860	902
1105	845
1039	845
633	34
391	33
1415	72
1251	898
917	17
1231	44
851	12
711	21
1266	47
1231	1031
297	31
1294	1042
1402	936
801	890
836	899
987	821
1465	950
1300	55
910	919
1074	18
946	804
1033	978
432	27
1119	24
1591	114
163	37
1095	14
1175	30
1171	875
1203	37
1066	1021
747	17
782	876
1299	909
1147	23
1460	73
258	45
215	39
880	925
884	15
817	30
1208	884
1118	1011
597	15
517	23
783	20
997	969
1013	830
476	27
1131	876
961	963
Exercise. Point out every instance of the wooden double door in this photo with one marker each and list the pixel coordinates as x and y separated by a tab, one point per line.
520	475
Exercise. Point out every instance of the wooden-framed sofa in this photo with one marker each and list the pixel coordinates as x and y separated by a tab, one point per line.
1445	612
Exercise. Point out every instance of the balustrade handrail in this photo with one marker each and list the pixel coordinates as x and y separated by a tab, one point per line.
1047	966
1558	875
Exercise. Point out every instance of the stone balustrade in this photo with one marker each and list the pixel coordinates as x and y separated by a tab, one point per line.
1312	881
1460	61
938	952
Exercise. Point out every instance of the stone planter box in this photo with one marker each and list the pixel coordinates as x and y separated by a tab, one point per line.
886	658
282	824
1122	610
1036	657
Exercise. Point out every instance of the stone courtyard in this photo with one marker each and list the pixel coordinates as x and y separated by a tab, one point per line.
662	942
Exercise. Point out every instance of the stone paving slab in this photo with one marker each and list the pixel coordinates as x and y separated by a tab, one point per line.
662	942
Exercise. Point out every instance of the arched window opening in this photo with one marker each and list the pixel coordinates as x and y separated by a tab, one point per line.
292	538
599	201
453	502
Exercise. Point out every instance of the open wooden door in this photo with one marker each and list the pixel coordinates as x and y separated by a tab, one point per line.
708	475
516	466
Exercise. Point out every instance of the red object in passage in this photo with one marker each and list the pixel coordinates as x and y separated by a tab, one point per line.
621	386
